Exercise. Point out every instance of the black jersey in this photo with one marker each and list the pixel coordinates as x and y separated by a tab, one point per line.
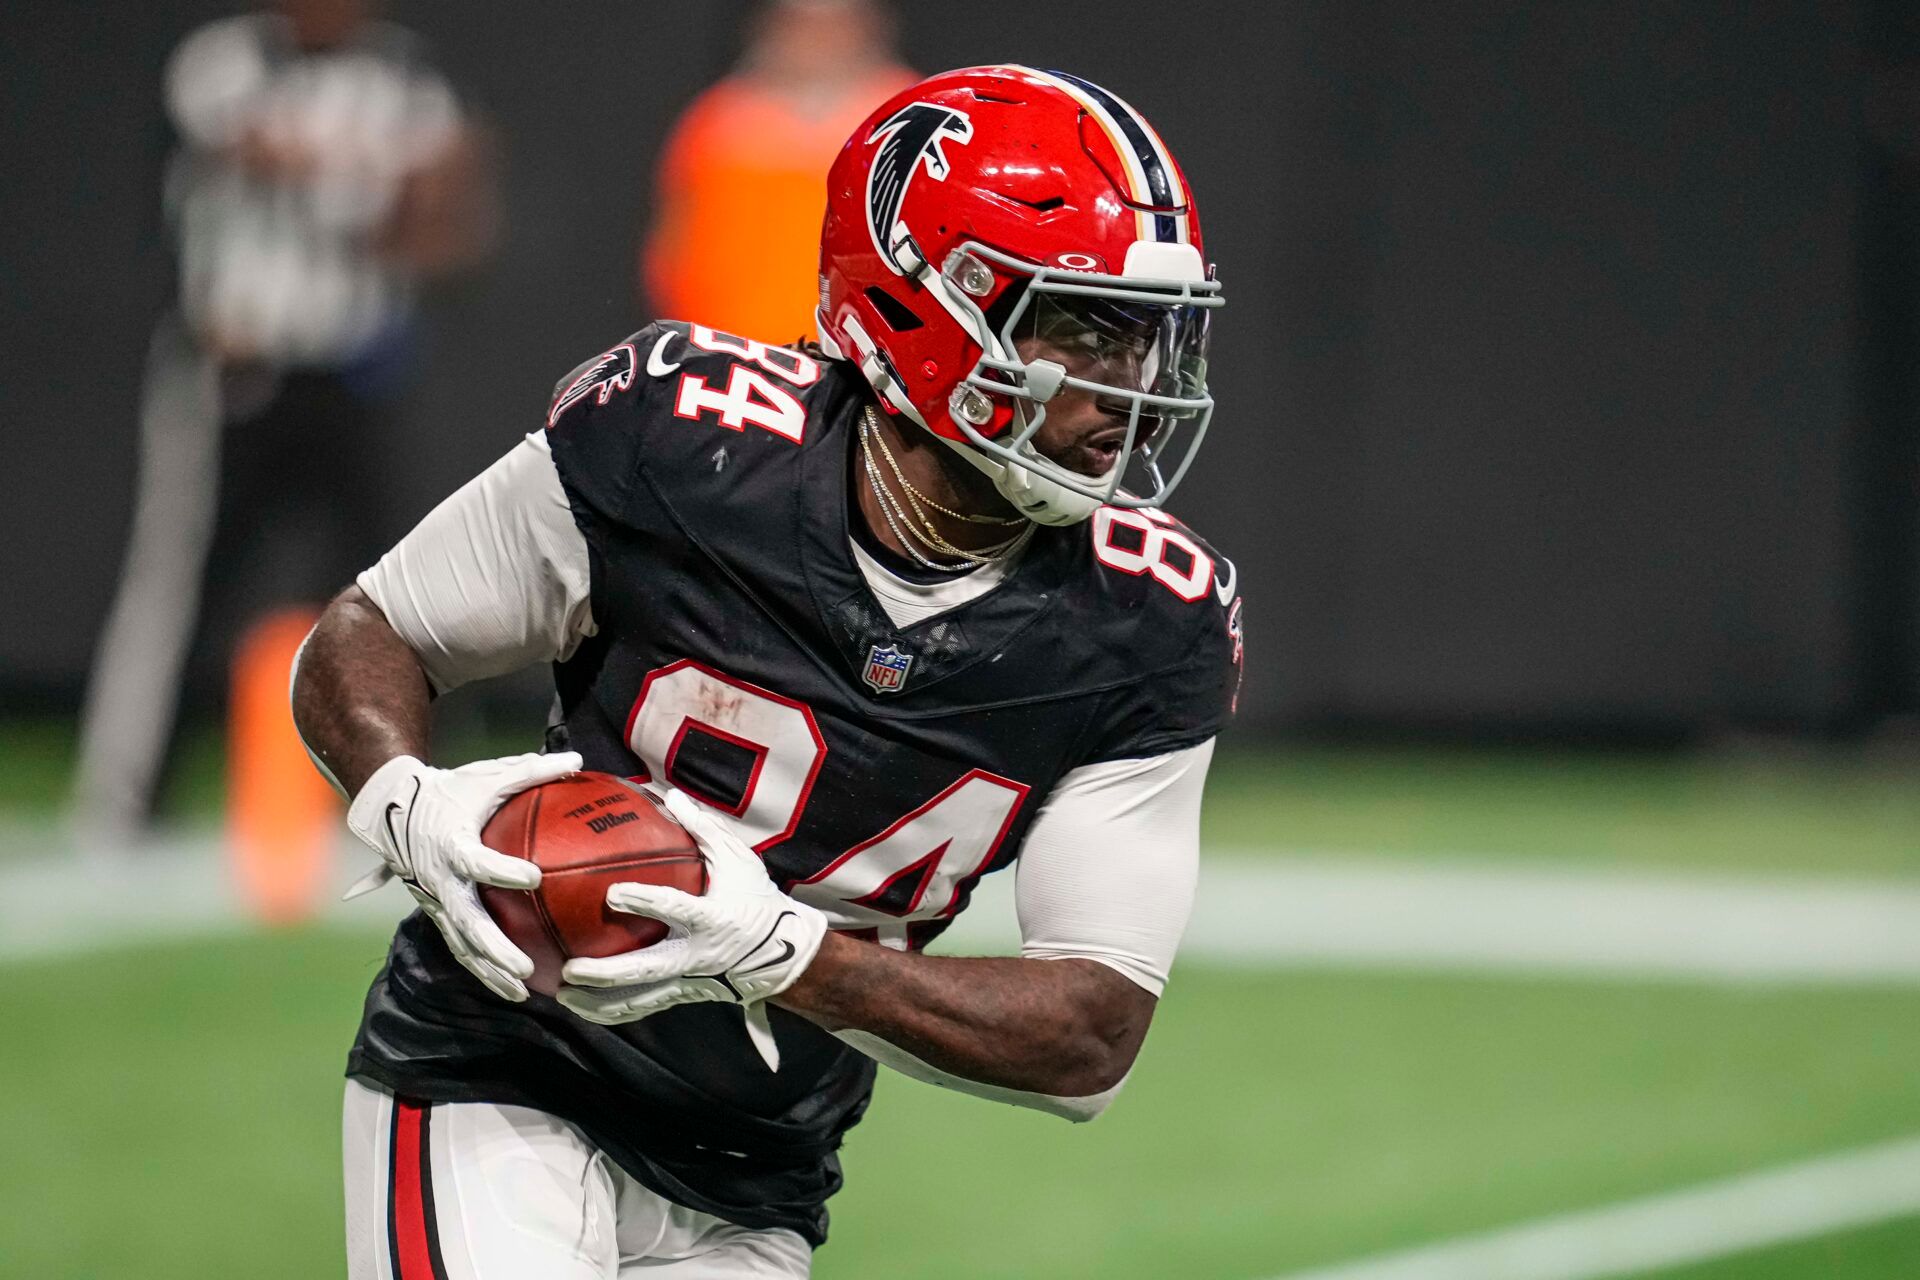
880	770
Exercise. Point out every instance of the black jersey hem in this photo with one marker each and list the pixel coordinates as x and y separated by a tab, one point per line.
429	1030
1146	748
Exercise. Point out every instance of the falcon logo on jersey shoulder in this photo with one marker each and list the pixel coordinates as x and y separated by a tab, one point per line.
910	138
607	374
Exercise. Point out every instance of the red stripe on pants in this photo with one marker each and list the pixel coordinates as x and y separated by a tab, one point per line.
412	1234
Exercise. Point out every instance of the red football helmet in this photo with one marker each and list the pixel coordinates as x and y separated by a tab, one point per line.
989	205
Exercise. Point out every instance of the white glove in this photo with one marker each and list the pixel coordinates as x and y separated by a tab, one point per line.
743	942
425	825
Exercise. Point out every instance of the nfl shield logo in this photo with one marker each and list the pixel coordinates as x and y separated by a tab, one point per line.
887	668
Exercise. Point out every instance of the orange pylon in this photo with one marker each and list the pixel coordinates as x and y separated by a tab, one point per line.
282	816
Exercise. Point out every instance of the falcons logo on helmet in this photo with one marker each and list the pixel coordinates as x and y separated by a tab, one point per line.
912	134
609	373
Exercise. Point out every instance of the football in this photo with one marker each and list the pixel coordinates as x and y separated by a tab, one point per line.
585	832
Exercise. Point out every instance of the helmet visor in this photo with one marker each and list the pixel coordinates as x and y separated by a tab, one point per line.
1136	345
1119	350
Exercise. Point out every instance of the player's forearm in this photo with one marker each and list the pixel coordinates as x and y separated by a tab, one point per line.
359	696
1066	1028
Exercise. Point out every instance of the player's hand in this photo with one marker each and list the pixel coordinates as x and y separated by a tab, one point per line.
743	942
425	825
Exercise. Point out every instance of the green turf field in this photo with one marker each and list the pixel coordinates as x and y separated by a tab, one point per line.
1874	1252
1888	1250
171	1111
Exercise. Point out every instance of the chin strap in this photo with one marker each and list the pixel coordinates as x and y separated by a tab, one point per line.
1039	499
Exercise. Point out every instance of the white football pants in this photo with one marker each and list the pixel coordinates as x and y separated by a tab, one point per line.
477	1191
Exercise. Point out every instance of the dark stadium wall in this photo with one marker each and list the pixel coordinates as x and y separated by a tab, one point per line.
1539	379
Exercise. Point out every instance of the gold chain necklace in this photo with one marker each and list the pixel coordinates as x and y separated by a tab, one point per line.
873	422
902	524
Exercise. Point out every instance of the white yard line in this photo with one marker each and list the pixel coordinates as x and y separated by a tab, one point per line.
1434	914
63	901
1264	911
1431	915
1774	1206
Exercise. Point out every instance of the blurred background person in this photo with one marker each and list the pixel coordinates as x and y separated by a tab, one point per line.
742	184
322	169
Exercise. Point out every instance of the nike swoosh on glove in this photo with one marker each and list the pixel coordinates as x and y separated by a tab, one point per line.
744	942
425	824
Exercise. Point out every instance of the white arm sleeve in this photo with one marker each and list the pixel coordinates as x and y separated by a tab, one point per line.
1108	870
494	579
1107	873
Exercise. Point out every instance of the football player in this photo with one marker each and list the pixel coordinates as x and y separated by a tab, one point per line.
887	615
